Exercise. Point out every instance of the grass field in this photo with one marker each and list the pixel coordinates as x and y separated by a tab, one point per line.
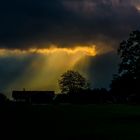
96	121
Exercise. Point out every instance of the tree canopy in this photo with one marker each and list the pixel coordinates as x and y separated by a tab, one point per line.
129	53
128	78
72	82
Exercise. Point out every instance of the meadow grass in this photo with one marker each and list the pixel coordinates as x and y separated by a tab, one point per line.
111	121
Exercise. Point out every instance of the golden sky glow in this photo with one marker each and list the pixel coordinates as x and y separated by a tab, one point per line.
85	50
45	69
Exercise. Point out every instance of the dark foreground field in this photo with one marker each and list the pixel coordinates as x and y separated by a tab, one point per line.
71	121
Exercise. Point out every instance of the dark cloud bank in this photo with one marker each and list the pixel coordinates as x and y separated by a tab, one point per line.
27	22
66	22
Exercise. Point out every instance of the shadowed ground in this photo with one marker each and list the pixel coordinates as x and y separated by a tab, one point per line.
72	121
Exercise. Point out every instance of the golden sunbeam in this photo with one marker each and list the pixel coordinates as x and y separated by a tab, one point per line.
45	69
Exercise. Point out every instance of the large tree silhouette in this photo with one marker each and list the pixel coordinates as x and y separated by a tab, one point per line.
129	53
128	78
72	82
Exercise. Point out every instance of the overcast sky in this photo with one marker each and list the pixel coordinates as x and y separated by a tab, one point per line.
64	23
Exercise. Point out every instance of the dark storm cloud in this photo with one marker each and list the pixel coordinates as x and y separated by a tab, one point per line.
112	19
30	22
24	22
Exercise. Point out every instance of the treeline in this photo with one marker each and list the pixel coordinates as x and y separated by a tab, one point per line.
85	97
96	96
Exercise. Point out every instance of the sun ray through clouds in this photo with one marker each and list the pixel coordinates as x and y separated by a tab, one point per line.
49	63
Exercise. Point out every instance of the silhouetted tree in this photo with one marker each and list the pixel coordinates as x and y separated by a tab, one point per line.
128	78
3	99
129	52
72	82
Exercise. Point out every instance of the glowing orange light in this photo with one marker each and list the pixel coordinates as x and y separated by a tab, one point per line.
85	50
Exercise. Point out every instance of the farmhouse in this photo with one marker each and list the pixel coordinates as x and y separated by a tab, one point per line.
33	97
